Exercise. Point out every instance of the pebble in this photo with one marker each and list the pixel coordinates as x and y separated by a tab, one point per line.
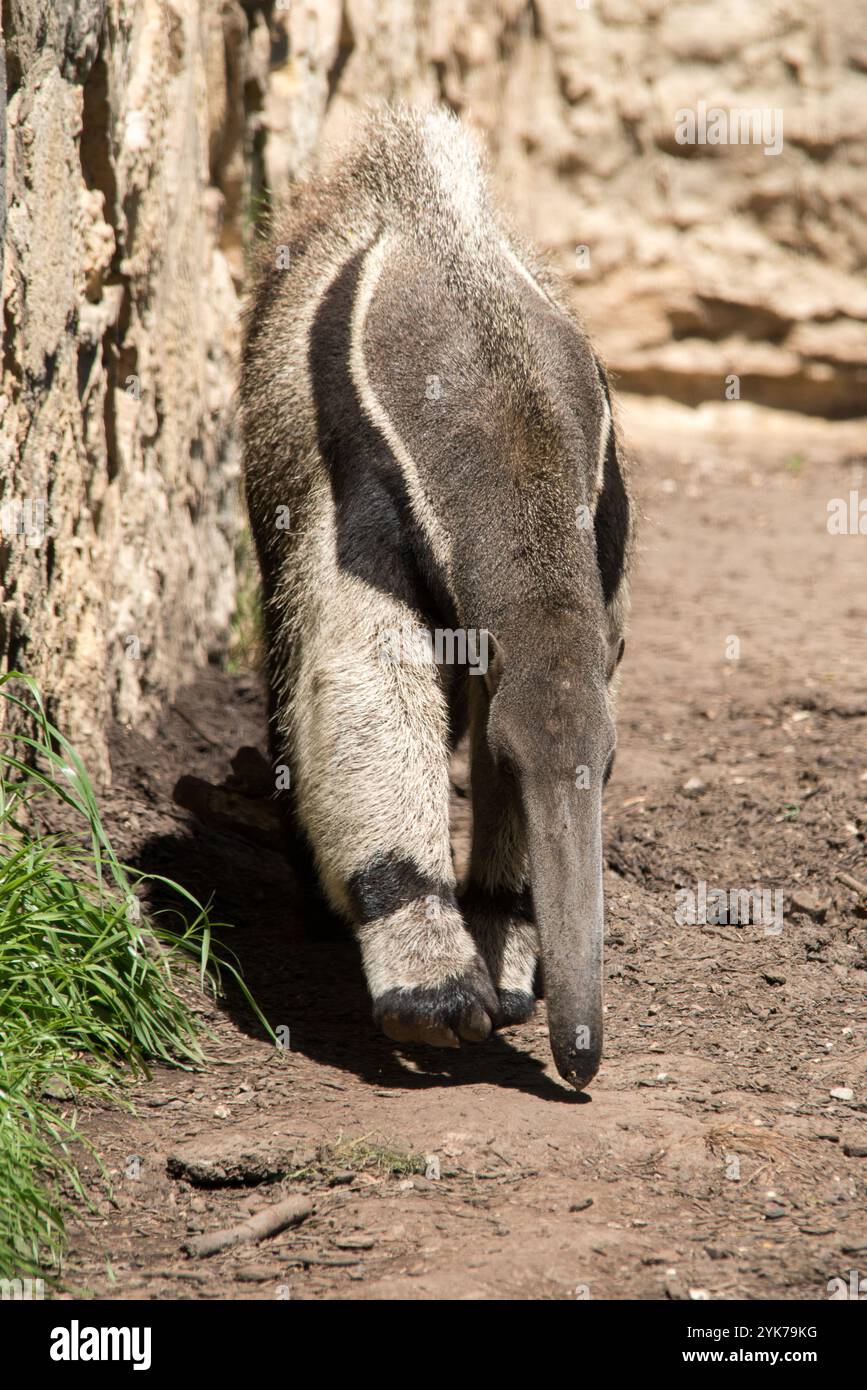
775	1213
353	1242
809	904
855	1148
57	1088
694	786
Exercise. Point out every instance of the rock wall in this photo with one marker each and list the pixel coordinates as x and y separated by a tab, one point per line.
141	136
689	262
127	130
704	260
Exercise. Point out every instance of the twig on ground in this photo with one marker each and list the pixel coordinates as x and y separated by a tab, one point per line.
265	1223
852	882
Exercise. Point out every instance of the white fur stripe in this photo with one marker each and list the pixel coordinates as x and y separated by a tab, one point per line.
517	264
604	434
375	411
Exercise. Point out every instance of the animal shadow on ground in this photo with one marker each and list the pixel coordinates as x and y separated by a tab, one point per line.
303	969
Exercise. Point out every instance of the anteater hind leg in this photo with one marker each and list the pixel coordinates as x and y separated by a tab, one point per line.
373	794
497	900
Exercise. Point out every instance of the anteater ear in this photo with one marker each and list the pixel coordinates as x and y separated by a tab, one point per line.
496	661
615	655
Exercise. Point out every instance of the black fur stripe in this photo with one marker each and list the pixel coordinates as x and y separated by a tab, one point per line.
612	513
507	902
378	538
388	883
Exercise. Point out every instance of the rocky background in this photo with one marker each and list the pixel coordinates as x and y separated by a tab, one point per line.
143	136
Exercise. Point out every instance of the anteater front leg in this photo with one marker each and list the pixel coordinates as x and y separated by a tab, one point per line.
373	795
497	900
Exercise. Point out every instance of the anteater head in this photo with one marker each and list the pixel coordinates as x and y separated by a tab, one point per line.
550	725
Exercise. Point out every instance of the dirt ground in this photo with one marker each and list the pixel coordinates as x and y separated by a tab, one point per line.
711	1158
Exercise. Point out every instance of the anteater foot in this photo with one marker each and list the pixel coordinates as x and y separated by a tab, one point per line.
461	1007
516	1006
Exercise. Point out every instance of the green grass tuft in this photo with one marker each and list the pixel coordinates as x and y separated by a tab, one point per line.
371	1154
86	980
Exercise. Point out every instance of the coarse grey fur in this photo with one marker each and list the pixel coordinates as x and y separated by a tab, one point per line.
429	445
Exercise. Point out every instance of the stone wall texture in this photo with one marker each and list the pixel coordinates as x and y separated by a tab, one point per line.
126	126
143	136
